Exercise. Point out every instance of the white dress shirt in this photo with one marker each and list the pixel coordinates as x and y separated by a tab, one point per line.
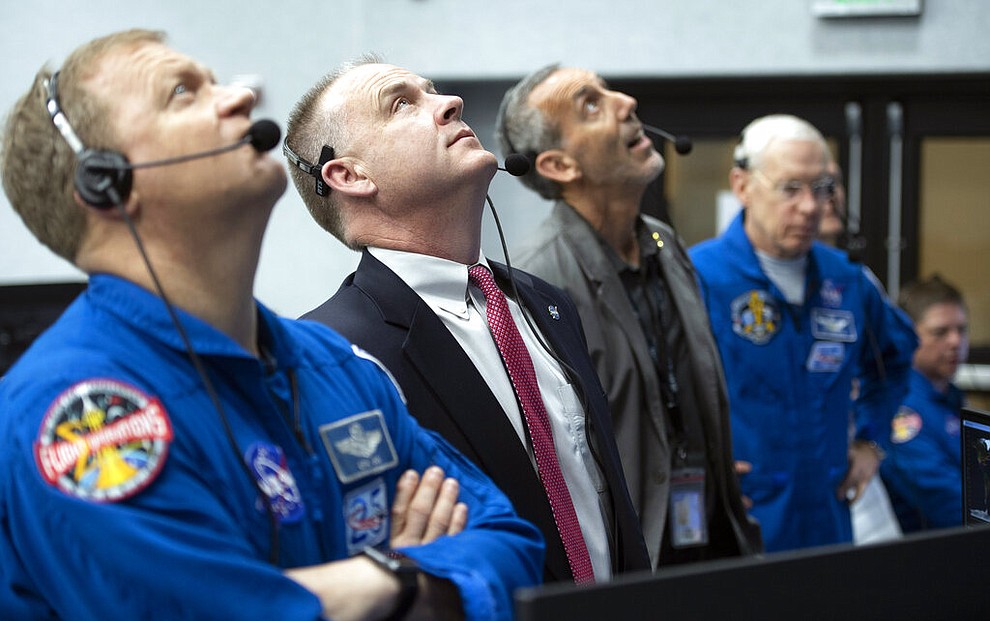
443	285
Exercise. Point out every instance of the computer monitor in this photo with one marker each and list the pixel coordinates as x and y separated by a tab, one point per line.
26	311
975	439
928	575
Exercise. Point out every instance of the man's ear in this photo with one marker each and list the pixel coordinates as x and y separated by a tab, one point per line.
558	166
348	176
739	181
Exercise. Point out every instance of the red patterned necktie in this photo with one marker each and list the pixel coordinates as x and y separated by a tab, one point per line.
520	367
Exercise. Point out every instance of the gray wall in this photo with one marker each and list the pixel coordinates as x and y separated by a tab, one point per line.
290	43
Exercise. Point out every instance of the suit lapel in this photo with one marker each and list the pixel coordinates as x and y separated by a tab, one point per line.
467	402
443	366
704	356
614	297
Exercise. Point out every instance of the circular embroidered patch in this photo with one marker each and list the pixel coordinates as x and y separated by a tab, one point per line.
905	426
755	316
102	440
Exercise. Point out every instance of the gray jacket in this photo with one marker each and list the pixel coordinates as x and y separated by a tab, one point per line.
566	251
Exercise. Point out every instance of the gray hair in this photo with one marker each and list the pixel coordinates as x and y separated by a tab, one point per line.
522	128
764	131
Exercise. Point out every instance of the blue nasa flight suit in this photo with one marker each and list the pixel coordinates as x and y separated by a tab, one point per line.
789	370
121	497
922	470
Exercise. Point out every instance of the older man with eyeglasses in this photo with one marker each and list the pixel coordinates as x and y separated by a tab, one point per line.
796	323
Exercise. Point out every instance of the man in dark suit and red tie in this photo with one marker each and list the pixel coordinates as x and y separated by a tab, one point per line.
500	368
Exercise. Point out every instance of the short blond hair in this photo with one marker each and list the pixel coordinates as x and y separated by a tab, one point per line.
37	165
308	129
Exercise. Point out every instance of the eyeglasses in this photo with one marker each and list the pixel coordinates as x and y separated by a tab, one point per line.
822	189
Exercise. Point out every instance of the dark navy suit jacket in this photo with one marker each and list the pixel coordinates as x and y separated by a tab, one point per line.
377	311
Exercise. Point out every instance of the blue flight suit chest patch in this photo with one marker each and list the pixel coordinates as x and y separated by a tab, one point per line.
755	316
359	446
833	324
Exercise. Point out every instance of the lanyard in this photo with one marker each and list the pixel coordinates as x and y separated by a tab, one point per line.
649	299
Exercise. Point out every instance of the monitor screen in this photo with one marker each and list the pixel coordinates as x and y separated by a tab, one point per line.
935	574
26	311
975	438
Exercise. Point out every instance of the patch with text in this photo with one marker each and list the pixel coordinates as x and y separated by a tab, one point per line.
359	446
103	440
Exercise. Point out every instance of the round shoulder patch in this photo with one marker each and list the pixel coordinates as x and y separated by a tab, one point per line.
103	441
905	426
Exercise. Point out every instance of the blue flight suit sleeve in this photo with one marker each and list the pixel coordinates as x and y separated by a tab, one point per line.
496	553
180	549
174	551
889	344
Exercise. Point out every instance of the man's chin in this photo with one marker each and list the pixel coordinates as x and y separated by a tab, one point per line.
801	246
487	162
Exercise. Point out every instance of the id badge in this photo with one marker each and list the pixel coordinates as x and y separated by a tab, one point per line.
689	526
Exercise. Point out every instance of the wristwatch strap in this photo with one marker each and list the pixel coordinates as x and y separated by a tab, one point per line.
406	570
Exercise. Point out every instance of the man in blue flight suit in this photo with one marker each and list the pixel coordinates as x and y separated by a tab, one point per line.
796	323
195	456
923	466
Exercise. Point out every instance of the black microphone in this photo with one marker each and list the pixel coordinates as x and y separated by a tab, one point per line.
516	164
263	135
682	144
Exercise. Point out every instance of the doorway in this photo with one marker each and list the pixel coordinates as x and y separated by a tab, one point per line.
916	155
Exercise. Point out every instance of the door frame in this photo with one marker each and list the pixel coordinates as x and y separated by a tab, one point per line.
931	105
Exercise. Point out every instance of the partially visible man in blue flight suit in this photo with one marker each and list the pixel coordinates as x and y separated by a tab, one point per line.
923	466
796	323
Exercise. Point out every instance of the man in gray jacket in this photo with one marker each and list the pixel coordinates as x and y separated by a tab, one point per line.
635	290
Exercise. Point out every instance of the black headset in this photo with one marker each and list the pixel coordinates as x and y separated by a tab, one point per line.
326	154
103	177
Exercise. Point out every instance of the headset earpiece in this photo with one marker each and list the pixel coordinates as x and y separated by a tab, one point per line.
103	178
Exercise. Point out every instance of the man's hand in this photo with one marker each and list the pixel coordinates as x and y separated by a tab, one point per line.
357	589
426	508
864	459
744	467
